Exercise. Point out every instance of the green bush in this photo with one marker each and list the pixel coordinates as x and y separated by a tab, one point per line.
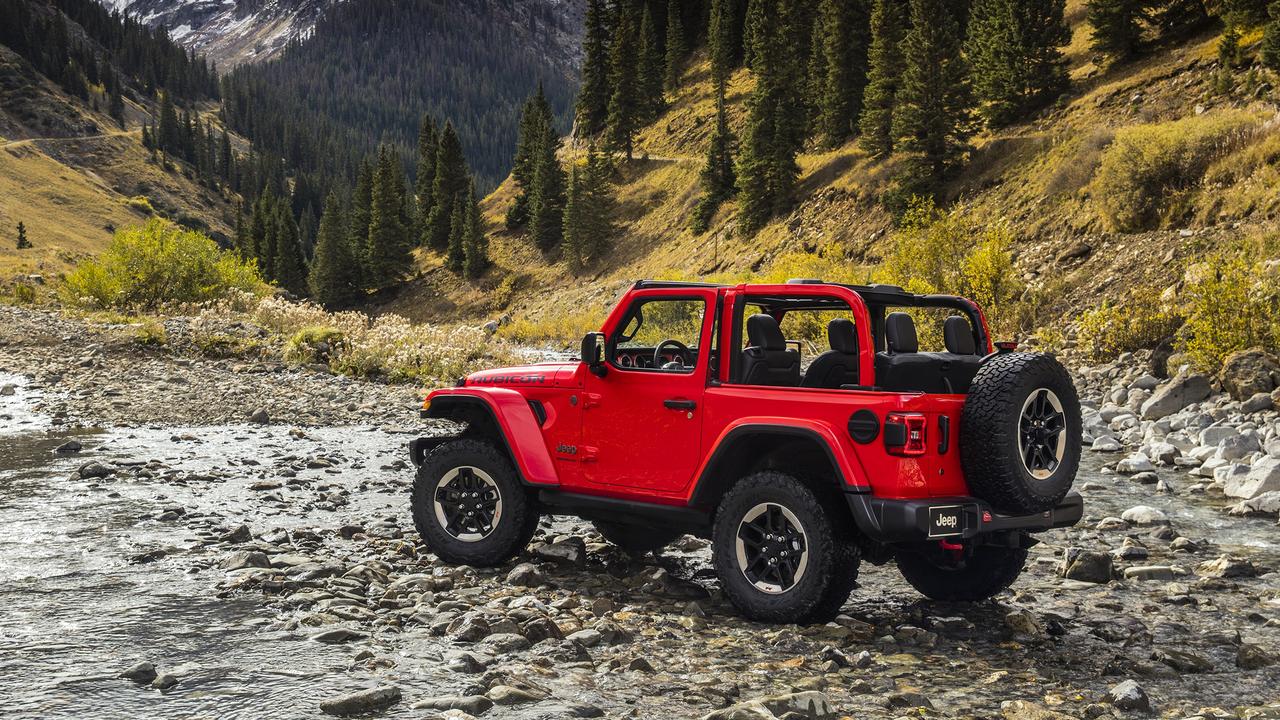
150	333
159	264
1111	329
24	294
1146	164
313	344
1232	303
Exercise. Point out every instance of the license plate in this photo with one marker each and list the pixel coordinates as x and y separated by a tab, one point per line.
946	521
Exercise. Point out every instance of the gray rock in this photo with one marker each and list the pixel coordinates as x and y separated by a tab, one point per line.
364	701
571	551
337	636
1257	403
525	575
1164	453
8	389
142	673
240	534
1147	573
164	681
589	637
1086	566
1135	463
807	705
1226	566
259	417
1144	515
1238	447
69	447
1263	477
1145	478
1106	443
1129	695
245	559
509	695
470	704
1175	395
1252	657
503	643
1248	372
95	470
1267	503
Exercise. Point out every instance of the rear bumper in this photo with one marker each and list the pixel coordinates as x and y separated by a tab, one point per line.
960	518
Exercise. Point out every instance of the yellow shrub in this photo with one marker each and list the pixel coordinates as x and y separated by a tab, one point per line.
159	264
563	330
313	344
1110	330
142	204
1146	163
1232	304
150	332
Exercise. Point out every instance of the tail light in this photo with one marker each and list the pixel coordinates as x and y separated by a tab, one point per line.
904	434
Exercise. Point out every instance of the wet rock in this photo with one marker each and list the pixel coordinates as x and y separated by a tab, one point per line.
241	534
1023	710
508	695
1023	622
95	470
471	628
1249	372
1182	661
1086	566
259	417
807	705
337	636
1252	657
142	673
1164	453
245	559
364	701
1106	443
1135	463
1263	477
1175	395
504	643
1129	695
470	704
1158	573
1144	515
525	575
1145	478
69	447
908	699
1227	567
589	637
164	681
571	551
1267	503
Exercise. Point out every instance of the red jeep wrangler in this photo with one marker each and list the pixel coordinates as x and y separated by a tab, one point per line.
709	409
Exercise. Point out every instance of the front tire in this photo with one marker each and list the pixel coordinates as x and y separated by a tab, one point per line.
469	505
775	549
977	574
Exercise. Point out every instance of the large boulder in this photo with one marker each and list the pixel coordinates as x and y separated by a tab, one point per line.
1175	395
1263	477
1249	372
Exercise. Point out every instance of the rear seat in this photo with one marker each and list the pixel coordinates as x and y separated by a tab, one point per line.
903	368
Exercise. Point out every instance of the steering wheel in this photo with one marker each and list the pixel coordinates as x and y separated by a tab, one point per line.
686	357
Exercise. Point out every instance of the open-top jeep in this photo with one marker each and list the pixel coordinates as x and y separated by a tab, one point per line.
692	412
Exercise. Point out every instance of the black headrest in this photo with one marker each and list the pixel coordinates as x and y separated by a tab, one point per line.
840	334
957	333
763	333
900	332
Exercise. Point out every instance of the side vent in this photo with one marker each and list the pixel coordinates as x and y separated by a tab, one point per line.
539	412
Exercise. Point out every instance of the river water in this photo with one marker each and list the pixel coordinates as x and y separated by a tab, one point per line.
76	608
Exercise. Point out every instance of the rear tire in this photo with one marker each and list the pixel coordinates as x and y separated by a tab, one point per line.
469	505
775	549
636	540
985	572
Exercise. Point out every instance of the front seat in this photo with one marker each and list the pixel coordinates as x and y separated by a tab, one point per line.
839	365
767	360
903	368
960	362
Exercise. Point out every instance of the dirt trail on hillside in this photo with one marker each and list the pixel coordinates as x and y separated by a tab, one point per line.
96	136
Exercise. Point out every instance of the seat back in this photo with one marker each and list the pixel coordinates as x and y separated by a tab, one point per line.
959	364
903	368
839	365
767	360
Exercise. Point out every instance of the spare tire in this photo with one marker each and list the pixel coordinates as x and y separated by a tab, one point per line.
1020	433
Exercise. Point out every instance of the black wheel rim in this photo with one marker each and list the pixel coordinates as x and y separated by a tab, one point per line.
468	504
772	548
1042	433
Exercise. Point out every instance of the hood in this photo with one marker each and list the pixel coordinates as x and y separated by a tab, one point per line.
556	374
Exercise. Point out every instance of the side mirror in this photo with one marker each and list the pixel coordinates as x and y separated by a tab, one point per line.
593	353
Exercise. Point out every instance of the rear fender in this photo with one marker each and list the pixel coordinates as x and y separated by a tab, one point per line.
513	425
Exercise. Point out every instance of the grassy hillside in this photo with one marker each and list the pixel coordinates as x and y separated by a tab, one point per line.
1203	159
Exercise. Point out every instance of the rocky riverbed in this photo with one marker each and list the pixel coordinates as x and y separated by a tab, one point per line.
187	537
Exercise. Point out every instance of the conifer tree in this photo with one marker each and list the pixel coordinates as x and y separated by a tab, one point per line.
588	214
290	267
572	249
455	256
450	181
1117	30
675	50
226	160
594	96
718	179
115	103
387	247
720	40
546	200
265	229
884	75
815	81
651	71
335	269
931	116
1013	51
23	242
170	134
358	220
845	33
428	144
475	246
626	104
767	167
534	120
1271	39
756	26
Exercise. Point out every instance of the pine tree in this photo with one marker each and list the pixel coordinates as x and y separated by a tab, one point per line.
387	247
755	28
335	270
358	221
289	265
1271	39
475	246
546	199
626	104
23	242
884	75
534	120
718	178
675	50
651	71
720	40
170	133
767	167
264	230
1117	30
115	103
1013	51
846	37
931	117
593	97
573	249
226	160
815	82
598	192
451	180
428	144
455	256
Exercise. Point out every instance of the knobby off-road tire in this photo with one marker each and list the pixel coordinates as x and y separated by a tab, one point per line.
636	539
468	475
987	570
1020	433
814	576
